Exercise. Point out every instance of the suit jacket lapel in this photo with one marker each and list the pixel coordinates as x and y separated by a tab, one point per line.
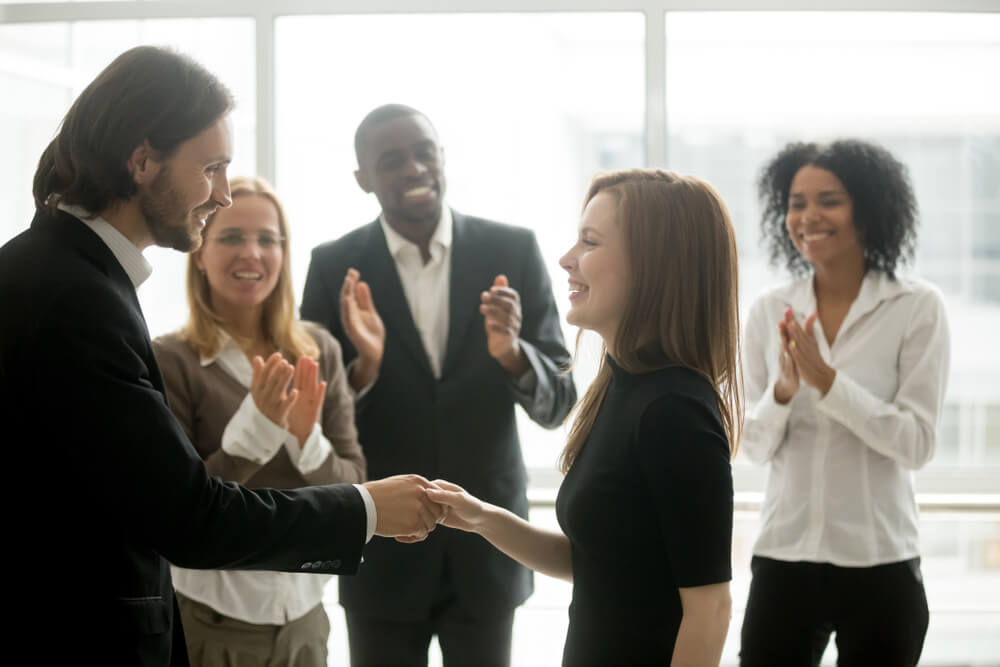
67	229
379	271
463	302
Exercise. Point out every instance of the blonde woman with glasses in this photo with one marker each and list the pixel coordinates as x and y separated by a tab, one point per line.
264	399
646	506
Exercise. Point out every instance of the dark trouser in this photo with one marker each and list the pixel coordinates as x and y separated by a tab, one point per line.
879	614
465	641
214	640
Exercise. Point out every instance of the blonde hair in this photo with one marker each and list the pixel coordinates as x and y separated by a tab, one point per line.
682	304
281	329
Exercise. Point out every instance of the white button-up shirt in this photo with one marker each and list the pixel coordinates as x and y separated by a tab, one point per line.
840	486
427	286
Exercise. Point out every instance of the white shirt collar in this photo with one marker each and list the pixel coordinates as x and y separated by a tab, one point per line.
441	238
130	257
876	287
231	358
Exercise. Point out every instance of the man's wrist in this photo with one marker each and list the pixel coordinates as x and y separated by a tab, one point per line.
515	361
363	372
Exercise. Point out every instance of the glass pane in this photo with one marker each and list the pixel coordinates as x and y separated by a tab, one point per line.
528	107
913	82
44	67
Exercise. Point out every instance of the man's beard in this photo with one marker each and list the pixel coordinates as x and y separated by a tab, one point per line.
167	217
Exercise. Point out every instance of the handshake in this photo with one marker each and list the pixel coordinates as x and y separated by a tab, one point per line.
405	507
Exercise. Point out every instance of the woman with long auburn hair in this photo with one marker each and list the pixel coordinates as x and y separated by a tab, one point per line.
646	507
228	375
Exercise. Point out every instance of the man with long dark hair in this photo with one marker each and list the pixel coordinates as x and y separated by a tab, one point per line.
140	160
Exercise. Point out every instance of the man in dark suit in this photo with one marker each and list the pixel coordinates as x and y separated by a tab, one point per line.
454	326
103	485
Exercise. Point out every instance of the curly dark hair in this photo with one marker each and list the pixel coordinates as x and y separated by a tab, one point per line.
885	209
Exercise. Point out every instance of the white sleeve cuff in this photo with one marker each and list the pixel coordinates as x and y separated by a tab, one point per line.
370	513
764	427
309	457
251	435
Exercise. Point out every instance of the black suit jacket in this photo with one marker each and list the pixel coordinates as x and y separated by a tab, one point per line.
460	427
106	487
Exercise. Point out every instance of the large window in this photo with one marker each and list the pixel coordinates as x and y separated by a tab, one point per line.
530	99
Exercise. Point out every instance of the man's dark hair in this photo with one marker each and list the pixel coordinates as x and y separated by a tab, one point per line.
147	93
885	209
380	115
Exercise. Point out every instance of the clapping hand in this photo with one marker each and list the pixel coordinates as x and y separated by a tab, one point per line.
802	347
306	410
269	388
501	310
364	328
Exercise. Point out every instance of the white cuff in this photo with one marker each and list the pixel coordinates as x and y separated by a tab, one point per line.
251	435
370	513
764	427
309	457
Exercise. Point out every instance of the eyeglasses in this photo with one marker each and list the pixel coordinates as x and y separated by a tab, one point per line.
265	241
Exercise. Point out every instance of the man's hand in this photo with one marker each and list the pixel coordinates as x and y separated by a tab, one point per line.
501	309
403	509
363	327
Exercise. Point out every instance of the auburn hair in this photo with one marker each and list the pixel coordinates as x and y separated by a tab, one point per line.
682	304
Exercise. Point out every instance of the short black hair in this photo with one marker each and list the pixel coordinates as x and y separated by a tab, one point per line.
885	209
380	115
146	93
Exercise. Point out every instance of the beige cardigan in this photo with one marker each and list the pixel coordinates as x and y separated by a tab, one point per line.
204	399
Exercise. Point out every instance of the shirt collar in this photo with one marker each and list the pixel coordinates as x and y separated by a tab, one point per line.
876	287
441	238
231	359
130	257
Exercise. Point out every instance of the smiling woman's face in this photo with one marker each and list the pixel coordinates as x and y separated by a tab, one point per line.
598	269
242	254
820	218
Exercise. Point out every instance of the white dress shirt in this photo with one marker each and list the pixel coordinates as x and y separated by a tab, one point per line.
427	286
840	486
127	254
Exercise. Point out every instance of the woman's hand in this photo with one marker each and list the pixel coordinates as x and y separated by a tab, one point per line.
804	351
269	387
461	510
787	384
363	327
306	410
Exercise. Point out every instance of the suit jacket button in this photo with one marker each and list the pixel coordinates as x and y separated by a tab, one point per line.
317	565
335	564
306	566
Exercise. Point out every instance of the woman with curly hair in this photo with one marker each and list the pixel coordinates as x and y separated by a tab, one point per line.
845	370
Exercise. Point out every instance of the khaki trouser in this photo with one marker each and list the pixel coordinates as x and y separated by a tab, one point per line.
214	640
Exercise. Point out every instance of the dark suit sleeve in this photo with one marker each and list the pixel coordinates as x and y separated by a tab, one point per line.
543	344
142	472
320	299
